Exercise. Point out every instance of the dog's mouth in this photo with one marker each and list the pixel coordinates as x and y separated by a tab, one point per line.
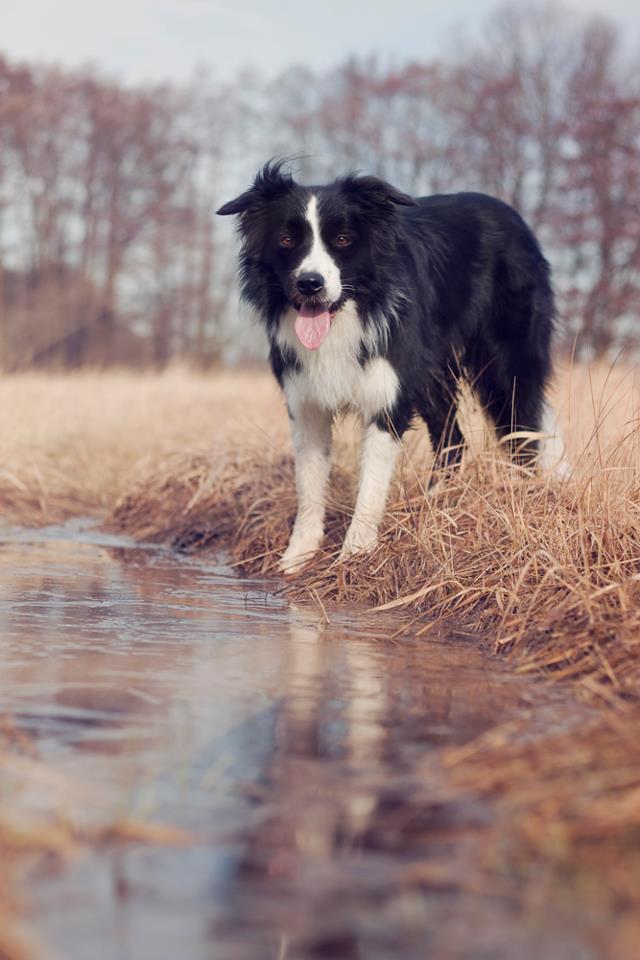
313	322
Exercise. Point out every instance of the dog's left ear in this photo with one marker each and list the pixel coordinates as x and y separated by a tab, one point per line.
376	192
269	182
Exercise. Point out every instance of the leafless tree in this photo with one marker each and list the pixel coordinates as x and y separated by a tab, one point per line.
110	250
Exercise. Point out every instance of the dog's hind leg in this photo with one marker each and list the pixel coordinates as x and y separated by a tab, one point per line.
380	450
526	425
311	434
447	441
438	409
516	418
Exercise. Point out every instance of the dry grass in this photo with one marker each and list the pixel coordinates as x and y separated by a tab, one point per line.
75	444
547	573
549	570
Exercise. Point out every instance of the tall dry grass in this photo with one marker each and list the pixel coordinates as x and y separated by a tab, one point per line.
74	444
551	570
546	572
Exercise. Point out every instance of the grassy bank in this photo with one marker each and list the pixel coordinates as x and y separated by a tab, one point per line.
546	573
549	570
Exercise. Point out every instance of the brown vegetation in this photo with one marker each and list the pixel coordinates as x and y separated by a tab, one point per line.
547	568
547	573
72	445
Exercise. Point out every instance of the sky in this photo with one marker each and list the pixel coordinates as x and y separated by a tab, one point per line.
155	40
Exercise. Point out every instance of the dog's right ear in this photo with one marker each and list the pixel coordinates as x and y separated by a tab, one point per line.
239	205
269	183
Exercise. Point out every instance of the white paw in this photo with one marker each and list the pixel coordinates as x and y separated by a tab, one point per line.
360	538
301	549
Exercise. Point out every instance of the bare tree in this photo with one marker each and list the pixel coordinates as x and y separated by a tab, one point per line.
110	249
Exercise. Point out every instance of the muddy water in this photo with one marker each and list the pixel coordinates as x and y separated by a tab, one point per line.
295	749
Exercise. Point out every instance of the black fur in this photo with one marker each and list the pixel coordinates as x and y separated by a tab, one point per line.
455	285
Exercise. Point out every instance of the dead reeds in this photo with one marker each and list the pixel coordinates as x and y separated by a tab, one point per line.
545	572
550	570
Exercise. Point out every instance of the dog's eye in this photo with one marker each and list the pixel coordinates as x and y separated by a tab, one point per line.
286	240
342	240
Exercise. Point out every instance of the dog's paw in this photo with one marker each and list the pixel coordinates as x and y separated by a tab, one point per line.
293	562
359	539
299	552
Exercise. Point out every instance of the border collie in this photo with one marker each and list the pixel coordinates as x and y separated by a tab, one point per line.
381	303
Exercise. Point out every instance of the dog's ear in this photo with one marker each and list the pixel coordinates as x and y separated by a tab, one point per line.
239	205
374	192
269	183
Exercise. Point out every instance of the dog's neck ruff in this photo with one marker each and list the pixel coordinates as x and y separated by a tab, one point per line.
345	372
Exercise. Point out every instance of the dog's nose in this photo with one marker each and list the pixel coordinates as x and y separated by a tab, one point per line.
310	283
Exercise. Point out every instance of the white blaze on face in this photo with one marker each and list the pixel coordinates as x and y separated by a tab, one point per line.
319	260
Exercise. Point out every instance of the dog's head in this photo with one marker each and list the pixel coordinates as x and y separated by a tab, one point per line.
312	248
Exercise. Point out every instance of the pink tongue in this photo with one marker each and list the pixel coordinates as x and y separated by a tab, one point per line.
312	326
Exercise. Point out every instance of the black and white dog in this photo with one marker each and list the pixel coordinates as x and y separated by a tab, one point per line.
380	303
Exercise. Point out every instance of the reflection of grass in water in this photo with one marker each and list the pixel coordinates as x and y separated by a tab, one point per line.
24	835
567	822
28	835
551	574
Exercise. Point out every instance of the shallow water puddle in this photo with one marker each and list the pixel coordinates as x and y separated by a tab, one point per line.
163	689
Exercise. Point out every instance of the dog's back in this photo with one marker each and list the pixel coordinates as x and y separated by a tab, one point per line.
484	304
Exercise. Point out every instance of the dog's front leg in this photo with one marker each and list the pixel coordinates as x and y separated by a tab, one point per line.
379	454
311	434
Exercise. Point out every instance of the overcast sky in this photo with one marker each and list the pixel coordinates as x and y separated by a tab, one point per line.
167	39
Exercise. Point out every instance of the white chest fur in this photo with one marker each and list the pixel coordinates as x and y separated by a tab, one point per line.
332	376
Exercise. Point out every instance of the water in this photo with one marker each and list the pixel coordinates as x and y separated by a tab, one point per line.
303	755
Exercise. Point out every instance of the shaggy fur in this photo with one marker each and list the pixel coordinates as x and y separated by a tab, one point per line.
416	296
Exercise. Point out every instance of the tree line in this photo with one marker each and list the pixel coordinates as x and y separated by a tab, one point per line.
110	250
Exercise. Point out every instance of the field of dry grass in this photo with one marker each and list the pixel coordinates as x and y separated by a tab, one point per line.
74	444
549	570
546	573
